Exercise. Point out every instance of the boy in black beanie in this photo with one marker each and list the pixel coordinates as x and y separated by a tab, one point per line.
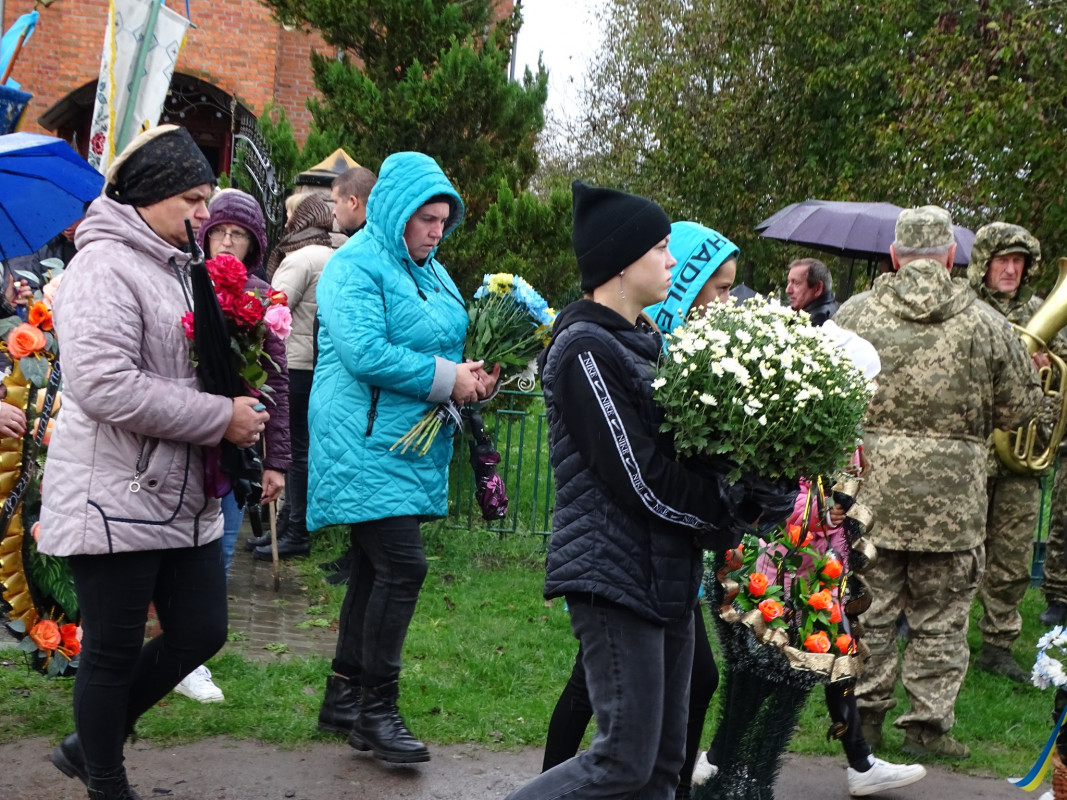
624	549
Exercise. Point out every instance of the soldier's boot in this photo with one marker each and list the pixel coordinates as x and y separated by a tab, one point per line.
1055	614
871	728
1000	661
923	742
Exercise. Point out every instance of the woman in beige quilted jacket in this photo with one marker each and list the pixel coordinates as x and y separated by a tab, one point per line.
124	489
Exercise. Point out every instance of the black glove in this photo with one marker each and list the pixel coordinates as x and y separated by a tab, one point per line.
774	499
751	504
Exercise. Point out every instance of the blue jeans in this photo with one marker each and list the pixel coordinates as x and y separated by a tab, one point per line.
232	517
388	569
638	677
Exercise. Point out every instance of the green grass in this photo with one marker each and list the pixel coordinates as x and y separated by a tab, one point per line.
484	661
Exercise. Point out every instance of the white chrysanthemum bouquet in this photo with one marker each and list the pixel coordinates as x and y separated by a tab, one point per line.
755	384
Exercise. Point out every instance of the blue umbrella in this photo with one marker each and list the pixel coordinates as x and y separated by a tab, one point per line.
44	185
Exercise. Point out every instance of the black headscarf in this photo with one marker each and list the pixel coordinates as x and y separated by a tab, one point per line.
160	163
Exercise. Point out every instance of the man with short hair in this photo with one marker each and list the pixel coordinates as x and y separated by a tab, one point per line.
810	288
349	193
953	370
1005	260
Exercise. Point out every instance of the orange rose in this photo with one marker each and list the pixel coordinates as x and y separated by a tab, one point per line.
833	568
835	613
45	635
820	601
757	584
41	316
25	340
770	609
46	440
278	298
69	634
793	532
844	643
818	642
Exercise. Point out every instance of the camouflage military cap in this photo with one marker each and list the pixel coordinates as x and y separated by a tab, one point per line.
928	226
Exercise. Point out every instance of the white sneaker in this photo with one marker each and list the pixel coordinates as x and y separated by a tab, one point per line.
198	686
703	770
882	776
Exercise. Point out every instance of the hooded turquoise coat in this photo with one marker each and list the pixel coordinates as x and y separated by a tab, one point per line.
699	251
391	332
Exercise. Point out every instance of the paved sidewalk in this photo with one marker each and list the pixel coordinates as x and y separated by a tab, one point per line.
261	618
225	769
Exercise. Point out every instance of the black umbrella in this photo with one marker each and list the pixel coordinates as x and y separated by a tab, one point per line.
218	374
490	491
849	229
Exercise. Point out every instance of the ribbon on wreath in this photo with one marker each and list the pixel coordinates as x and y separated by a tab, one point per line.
1032	779
14	588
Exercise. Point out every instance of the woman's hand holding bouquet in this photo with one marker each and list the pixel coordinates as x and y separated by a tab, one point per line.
510	324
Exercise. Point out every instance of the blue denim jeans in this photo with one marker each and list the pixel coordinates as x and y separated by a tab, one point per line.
388	569
232	517
638	677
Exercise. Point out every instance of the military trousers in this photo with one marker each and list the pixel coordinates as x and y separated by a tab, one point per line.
935	592
1055	582
1014	505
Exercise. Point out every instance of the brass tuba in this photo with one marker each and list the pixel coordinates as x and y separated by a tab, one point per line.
1016	450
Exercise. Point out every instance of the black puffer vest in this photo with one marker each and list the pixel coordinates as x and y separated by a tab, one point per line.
599	551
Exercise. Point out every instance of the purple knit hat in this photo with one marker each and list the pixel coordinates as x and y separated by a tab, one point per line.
234	207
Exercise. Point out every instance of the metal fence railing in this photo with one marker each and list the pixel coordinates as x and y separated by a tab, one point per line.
516	423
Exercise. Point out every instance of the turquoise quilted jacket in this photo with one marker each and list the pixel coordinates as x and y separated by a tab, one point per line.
390	334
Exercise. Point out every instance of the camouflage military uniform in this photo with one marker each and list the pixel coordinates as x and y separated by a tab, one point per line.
1014	500
1055	583
952	371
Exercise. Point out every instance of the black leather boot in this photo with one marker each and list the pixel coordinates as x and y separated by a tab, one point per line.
69	758
380	729
112	787
260	541
340	707
294	543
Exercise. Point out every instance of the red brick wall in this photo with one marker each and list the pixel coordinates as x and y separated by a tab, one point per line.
235	46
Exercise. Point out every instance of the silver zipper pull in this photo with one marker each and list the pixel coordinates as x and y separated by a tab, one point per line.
135	484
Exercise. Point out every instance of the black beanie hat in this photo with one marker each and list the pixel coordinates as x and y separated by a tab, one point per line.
612	230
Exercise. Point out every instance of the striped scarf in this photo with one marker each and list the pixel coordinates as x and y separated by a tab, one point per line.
309	224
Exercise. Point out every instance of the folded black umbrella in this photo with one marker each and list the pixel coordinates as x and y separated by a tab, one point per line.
218	374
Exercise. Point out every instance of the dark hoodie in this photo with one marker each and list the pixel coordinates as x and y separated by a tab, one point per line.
627	513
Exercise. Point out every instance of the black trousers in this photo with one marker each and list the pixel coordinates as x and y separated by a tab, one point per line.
841	703
296	479
120	676
388	569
